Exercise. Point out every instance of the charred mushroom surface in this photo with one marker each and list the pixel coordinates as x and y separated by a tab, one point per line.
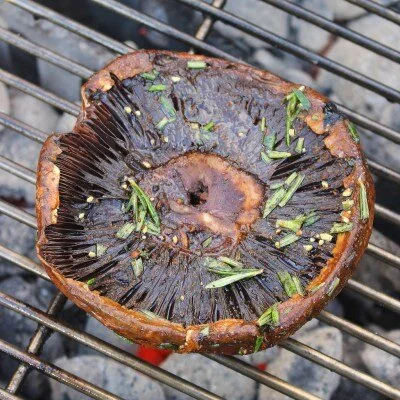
194	190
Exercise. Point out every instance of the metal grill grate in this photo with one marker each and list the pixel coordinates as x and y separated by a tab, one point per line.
47	321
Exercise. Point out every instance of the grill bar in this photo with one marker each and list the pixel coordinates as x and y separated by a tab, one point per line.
17	169
41	335
26	130
18	214
57	373
377	9
384	255
23	262
336	29
340	368
263	377
387	214
39	93
301	52
360	333
4	395
384	172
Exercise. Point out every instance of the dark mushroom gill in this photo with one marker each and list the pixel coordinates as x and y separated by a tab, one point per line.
199	158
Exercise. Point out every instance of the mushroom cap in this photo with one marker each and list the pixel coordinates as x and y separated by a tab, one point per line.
185	130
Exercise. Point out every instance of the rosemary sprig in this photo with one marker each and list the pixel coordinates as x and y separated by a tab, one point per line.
292	189
353	131
364	209
265	158
258	343
269	141
287	240
195	64
207	242
262	124
296	102
291	283
125	230
157	88
243	274
209	126
299	146
167	106
273	201
145	200
137	266
270	316
90	281
340	227
150	76
278	154
333	286
231	262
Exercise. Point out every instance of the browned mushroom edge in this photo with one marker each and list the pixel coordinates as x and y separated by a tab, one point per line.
228	336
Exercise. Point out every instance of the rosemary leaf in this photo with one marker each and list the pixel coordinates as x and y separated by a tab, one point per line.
152	228
347	204
150	76
333	286
287	240
292	224
125	230
273	201
140	219
269	141
137	266
233	278
278	154
265	158
207	242
299	146
340	227
316	288
259	342
167	106
231	262
276	185
100	249
150	314
311	218
157	88
162	123
262	124
270	316
292	189
353	131
90	281
209	127
290	178
326	236
299	286
287	283
168	346
195	64
364	209
145	200
305	103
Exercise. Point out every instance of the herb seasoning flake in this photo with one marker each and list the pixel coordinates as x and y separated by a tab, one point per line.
259	342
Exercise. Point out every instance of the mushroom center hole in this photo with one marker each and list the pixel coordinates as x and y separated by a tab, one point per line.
199	195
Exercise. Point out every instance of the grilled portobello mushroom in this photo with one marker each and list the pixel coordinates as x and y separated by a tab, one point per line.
202	205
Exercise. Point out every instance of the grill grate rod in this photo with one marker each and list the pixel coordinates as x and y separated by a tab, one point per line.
377	9
36	343
57	373
106	41
301	52
340	368
353	329
334	28
4	395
